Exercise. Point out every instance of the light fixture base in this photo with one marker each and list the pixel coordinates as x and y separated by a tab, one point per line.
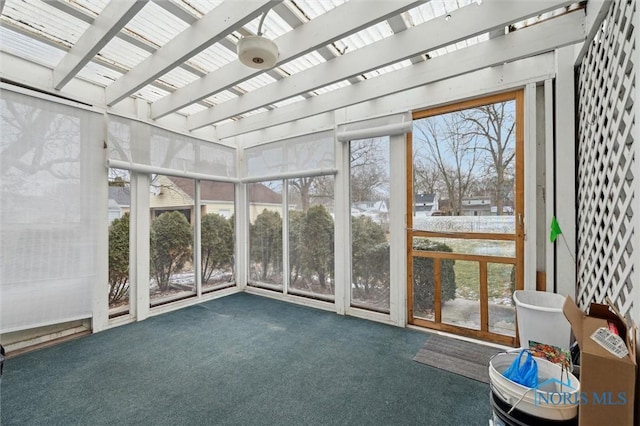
257	52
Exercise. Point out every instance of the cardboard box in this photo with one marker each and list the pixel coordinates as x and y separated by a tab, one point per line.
607	383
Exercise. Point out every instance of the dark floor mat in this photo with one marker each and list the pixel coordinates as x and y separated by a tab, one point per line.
457	356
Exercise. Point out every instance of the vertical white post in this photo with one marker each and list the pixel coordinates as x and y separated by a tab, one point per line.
197	239
342	240
140	245
242	236
549	191
565	153
285	236
241	228
530	189
100	318
398	230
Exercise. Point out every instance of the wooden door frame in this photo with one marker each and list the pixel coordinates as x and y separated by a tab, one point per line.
518	236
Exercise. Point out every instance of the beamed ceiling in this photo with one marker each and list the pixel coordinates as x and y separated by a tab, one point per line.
180	55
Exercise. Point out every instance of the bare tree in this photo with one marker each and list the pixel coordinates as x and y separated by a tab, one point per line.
494	127
303	185
426	177
451	148
368	174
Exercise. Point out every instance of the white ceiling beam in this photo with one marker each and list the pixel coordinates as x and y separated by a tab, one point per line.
84	16
284	11
177	10
109	23
337	23
224	19
185	15
597	11
398	24
543	37
464	23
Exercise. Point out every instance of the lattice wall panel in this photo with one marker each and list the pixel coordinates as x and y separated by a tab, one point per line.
606	164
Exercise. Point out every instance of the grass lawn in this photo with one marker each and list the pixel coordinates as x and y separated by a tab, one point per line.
468	272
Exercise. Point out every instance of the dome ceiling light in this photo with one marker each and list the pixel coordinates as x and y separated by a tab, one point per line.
258	51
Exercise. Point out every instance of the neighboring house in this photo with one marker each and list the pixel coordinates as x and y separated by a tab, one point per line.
474	206
174	193
376	210
262	197
377	207
425	204
119	201
506	210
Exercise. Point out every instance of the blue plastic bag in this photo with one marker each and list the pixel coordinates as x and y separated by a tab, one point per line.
525	374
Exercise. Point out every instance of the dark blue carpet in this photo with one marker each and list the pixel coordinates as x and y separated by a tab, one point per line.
239	360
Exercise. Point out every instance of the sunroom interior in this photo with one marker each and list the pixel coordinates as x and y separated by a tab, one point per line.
401	161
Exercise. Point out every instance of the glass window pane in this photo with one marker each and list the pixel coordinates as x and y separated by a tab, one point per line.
217	234
424	276
478	247
464	165
423	288
311	237
265	234
501	283
119	207
461	304
172	276
369	192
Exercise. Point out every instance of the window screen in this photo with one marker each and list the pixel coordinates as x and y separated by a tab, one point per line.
301	156
50	211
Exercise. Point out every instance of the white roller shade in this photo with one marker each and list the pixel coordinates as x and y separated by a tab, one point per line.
388	125
139	146
51	164
306	155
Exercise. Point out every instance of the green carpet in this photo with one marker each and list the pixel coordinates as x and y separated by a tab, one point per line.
239	360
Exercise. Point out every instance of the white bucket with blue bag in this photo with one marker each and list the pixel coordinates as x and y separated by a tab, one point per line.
546	390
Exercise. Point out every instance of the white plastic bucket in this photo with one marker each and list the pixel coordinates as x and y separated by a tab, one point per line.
540	318
557	398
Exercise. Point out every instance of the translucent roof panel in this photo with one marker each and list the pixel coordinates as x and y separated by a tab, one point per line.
192	109
30	49
151	93
331	87
302	63
311	9
459	45
272	27
221	97
99	74
155	25
254	112
122	53
434	9
387	69
289	101
213	57
42	31
365	37
198	7
178	77
95	7
256	82
547	15
39	17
